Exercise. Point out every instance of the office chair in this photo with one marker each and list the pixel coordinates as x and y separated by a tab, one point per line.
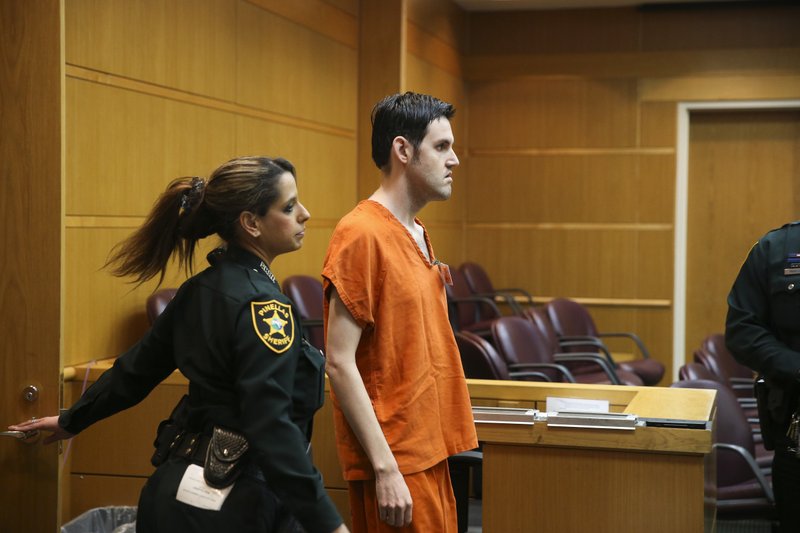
573	322
306	294
715	356
481	361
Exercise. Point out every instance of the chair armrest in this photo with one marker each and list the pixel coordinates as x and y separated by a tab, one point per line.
514	367
566	342
506	297
517	290
591	358
753	466
632	336
479	299
521	375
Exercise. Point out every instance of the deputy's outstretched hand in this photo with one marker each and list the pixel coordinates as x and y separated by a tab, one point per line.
49	424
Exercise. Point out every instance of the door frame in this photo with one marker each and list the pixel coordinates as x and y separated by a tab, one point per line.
682	207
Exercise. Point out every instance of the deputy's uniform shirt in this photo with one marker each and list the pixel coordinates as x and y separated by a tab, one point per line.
235	337
763	323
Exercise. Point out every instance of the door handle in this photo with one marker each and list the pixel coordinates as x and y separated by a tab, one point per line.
20	435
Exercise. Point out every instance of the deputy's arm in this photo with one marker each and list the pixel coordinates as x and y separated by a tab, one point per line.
344	333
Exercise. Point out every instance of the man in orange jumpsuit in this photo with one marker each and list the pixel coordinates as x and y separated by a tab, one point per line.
401	404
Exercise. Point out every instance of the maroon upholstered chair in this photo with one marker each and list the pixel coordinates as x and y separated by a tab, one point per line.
481	361
157	302
715	356
539	318
743	491
524	347
573	322
469	312
306	295
480	285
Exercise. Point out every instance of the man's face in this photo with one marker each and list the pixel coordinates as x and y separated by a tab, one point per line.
430	170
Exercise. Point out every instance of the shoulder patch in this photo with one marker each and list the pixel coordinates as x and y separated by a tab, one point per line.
273	324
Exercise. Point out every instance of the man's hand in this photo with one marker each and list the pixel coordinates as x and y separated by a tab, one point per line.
48	423
394	499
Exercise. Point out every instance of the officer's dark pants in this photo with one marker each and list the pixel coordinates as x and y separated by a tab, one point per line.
250	507
786	485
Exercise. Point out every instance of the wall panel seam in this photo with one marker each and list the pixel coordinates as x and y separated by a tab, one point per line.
522	152
123	221
121	82
572	226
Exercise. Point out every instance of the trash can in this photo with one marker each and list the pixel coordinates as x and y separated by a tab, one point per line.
103	520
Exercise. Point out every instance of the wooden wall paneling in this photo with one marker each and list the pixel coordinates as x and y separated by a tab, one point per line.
182	44
337	20
744	179
325	163
105	315
548	113
748	86
381	72
31	267
111	447
720	26
657	124
145	143
443	19
90	492
287	68
558	188
558	262
508	33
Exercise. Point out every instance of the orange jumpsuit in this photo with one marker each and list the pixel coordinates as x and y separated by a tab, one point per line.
408	359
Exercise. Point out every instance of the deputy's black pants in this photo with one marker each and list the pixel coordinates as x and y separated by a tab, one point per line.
786	485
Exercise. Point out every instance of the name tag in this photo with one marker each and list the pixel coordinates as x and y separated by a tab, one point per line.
194	491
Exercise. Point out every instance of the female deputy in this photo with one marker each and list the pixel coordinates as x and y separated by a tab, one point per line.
254	385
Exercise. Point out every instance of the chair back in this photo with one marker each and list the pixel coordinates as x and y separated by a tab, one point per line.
479	358
538	316
693	371
477	278
569	318
729	367
306	295
157	302
519	342
732	428
462	313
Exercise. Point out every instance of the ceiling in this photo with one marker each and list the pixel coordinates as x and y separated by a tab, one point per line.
509	5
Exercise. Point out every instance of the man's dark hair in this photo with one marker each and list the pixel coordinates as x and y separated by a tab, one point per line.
407	115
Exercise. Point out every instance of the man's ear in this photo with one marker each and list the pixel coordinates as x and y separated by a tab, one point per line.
402	149
249	223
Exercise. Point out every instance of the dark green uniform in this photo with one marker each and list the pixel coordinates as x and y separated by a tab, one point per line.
763	333
235	337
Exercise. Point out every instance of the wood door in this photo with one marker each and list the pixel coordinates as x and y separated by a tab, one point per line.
30	261
744	179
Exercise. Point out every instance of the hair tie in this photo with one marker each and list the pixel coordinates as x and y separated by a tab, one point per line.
192	196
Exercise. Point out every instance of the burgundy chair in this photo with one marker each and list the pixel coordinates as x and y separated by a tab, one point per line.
524	347
715	356
157	302
539	318
743	491
481	361
306	294
573	322
469	312
480	284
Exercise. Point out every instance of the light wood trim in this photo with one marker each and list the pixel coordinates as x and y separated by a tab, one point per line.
89	221
715	88
632	64
120	82
518	152
318	16
571	226
606	302
433	50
